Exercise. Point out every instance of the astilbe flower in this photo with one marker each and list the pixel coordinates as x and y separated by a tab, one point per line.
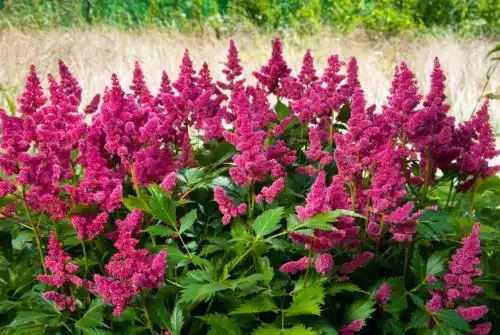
478	141
430	130
316	201
60	265
89	226
13	143
269	193
93	105
356	149
168	183
296	266
403	100
233	70
387	183
383	294
352	328
32	98
324	264
252	163
276	69
307	170
315	152
62	301
131	270
357	262
139	87
473	313
458	285
226	206
321	199
403	223
481	329
6	187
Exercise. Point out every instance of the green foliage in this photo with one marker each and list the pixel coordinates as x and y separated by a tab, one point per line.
307	300
304	17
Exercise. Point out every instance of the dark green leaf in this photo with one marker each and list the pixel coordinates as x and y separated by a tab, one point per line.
268	221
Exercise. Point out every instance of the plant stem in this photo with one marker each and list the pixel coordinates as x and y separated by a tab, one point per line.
309	263
146	314
407	259
472	201
35	231
85	258
449	193
428	170
332	130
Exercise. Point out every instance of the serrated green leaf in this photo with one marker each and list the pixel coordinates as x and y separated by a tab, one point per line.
267	330
139	202
348	287
221	324
360	310
298	330
419	319
162	206
93	317
453	319
187	221
307	301
418	265
258	304
198	292
417	301
435	264
268	221
282	110
176	320
159	230
397	303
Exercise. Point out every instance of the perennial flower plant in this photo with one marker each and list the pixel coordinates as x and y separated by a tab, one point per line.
284	204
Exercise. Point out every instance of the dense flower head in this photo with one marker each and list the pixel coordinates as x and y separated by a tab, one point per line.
60	265
388	182
233	69
275	70
93	105
269	193
324	264
357	262
32	98
458	286
88	226
383	294
477	140
481	329
252	162
307	73
168	183
315	152
403	100
352	328
62	301
403	222
226	206
316	200
472	313
296	266
130	269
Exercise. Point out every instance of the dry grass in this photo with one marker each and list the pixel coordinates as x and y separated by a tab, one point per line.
94	55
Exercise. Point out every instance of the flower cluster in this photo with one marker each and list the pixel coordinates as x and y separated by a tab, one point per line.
458	284
352	178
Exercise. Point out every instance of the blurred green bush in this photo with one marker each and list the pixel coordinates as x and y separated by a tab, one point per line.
303	16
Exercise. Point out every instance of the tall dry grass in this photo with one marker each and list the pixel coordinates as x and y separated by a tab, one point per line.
94	55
